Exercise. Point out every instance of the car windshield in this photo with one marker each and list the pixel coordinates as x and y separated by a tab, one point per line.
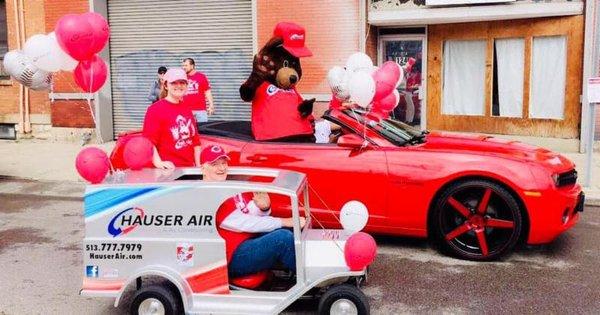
392	130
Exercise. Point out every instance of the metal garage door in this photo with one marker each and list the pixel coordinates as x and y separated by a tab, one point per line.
147	34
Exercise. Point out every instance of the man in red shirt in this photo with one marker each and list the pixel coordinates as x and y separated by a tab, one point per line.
198	92
170	125
254	240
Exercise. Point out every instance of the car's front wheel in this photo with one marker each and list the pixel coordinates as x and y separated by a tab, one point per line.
476	220
344	299
155	299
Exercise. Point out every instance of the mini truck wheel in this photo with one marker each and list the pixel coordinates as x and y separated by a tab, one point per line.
155	299
344	299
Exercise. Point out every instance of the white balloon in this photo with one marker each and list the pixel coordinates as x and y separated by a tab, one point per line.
19	67
362	88
66	62
359	62
41	80
39	49
337	78
354	216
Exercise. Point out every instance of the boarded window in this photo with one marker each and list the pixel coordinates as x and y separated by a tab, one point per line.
509	58
548	72
464	77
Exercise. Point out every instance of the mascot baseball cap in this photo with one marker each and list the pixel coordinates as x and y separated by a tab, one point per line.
212	153
293	38
175	74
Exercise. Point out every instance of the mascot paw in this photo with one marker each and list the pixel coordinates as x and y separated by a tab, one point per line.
306	107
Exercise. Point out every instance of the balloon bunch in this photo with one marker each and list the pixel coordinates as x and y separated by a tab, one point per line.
368	86
71	47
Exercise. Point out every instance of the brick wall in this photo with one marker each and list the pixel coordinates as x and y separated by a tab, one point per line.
332	34
371	44
67	113
39	106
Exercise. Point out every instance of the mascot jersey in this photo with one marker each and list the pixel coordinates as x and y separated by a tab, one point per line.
275	113
172	129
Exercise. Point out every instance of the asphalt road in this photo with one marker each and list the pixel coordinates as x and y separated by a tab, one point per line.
41	269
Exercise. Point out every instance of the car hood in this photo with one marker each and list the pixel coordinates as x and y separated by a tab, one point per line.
488	145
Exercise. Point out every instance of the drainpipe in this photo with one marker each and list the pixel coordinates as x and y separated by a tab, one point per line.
21	88
27	120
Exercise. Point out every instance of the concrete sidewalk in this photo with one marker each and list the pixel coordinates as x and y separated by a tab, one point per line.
47	161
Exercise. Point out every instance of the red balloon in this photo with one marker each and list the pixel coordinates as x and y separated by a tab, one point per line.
395	72
101	30
360	251
92	164
389	102
385	81
75	35
138	153
90	75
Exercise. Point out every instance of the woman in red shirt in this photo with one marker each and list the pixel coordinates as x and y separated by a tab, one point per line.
170	125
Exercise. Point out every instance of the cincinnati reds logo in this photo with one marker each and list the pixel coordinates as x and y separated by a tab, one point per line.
271	90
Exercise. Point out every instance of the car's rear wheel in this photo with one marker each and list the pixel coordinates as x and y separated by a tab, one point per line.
476	220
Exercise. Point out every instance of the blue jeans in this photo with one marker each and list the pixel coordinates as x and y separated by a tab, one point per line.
200	116
261	253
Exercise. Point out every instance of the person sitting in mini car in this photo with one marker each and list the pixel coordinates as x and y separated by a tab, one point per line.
254	240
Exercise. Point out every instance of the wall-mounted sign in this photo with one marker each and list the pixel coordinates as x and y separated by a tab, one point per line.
463	2
594	90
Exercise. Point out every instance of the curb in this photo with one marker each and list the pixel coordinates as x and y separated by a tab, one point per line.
592	202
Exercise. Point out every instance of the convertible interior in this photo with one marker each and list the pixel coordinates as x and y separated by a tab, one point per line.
241	130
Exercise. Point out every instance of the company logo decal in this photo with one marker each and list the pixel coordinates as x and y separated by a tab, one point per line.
122	223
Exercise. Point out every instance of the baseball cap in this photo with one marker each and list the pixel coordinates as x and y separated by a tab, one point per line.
212	153
175	74
162	69
293	38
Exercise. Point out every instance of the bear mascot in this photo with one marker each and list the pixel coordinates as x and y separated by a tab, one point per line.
278	111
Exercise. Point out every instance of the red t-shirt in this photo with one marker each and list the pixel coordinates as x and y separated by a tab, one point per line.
232	239
197	85
173	130
275	113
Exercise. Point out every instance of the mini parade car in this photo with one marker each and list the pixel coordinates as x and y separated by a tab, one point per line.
153	231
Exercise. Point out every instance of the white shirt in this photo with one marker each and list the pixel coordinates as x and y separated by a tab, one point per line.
248	217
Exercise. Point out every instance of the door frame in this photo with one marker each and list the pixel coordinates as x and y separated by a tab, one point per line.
423	90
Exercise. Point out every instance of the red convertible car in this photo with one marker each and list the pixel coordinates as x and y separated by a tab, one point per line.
476	196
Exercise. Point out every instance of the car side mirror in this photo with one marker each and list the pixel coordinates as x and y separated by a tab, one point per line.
351	140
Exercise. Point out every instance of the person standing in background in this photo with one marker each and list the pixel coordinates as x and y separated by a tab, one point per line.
198	92
156	85
170	125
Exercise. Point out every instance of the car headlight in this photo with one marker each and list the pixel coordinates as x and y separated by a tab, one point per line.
565	178
555	178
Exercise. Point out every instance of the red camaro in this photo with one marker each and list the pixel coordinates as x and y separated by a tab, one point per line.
474	195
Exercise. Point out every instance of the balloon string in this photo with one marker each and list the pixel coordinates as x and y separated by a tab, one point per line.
323	227
323	202
364	124
89	96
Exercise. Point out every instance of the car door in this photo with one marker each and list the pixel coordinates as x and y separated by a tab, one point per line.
336	175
